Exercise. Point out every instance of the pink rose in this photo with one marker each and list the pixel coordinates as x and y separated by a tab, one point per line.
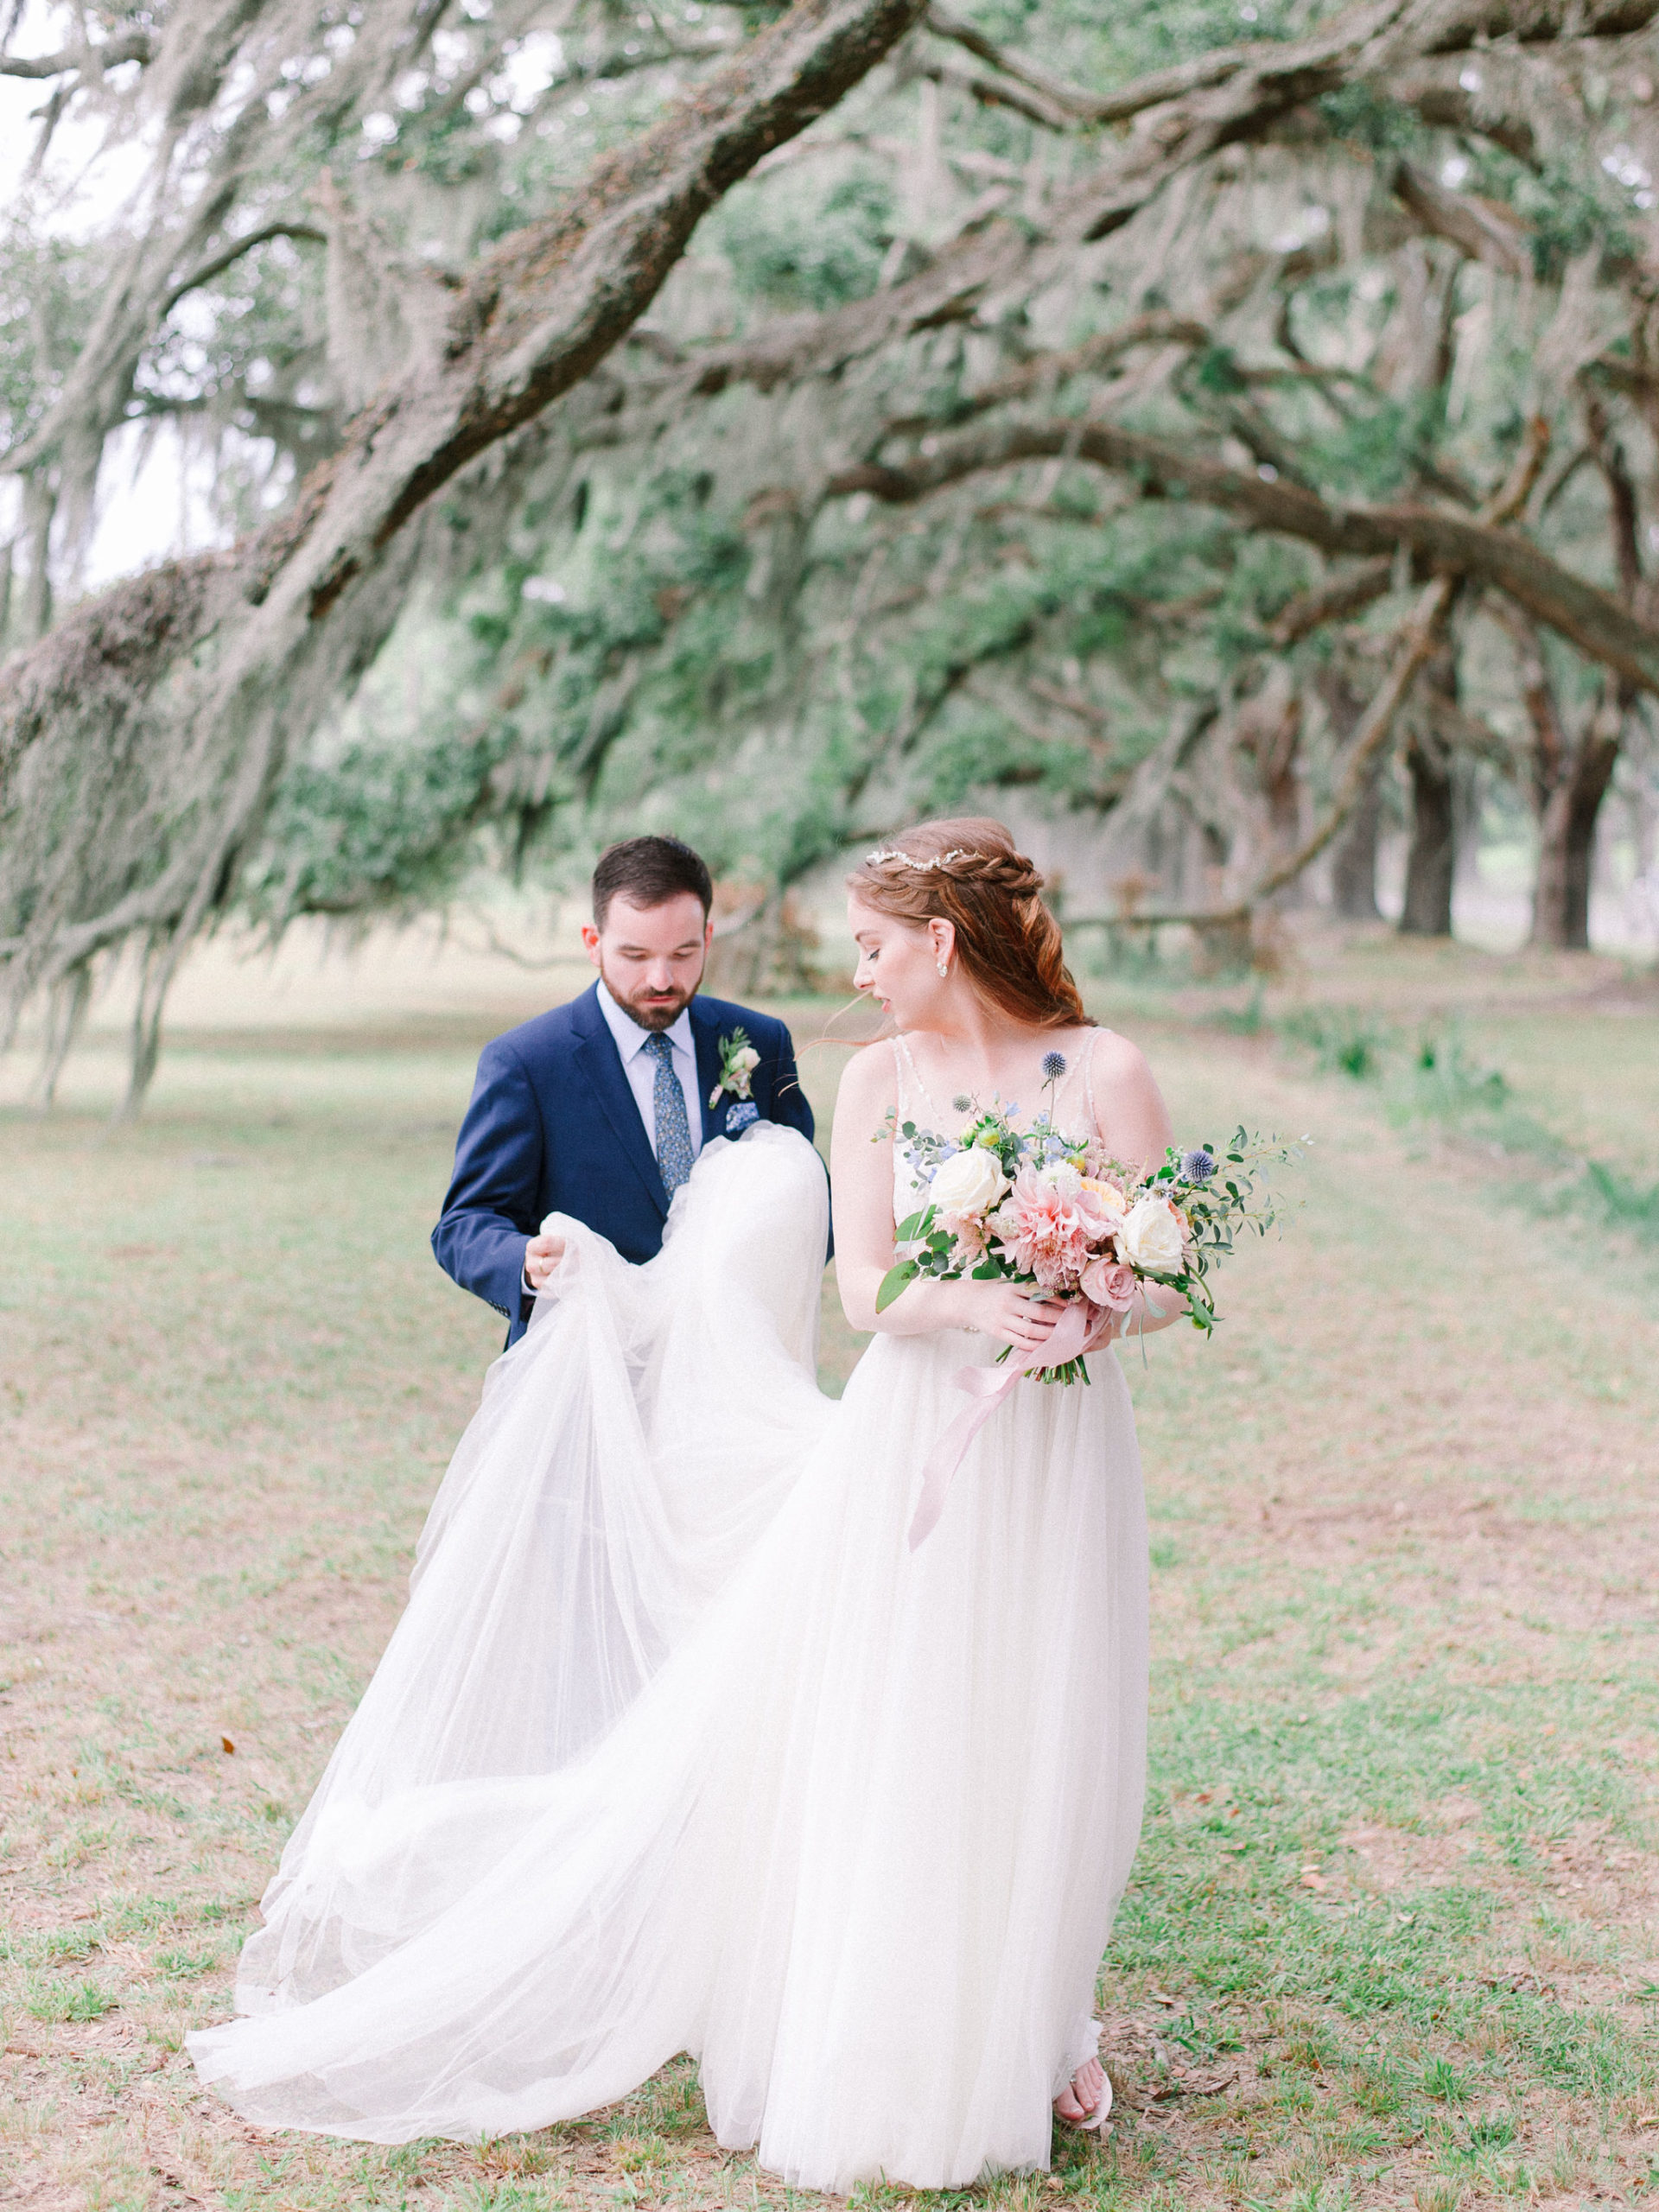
1112	1284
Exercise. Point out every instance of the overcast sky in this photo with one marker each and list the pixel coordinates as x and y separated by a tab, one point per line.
148	511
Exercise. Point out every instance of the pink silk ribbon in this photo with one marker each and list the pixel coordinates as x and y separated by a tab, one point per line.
989	1387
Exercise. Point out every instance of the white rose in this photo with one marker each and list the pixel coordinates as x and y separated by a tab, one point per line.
968	1182
1152	1236
745	1062
1064	1177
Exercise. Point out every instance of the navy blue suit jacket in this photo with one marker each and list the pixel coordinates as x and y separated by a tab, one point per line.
553	1127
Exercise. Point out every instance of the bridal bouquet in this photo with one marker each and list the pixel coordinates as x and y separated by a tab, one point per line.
1032	1206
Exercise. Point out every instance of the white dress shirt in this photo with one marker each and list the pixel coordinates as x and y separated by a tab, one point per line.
640	1067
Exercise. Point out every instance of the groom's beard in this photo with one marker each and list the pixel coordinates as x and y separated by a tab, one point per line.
649	1009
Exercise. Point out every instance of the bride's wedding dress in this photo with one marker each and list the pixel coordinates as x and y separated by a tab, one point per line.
679	1747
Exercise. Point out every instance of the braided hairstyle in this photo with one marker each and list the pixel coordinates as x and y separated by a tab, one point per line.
967	871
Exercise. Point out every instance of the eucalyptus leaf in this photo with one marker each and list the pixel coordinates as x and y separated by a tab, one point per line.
893	1282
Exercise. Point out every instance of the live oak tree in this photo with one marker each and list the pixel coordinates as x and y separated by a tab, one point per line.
142	736
1179	424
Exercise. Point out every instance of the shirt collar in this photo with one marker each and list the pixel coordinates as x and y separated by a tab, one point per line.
631	1039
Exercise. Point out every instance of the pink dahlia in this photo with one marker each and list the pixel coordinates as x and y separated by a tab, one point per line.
1045	1231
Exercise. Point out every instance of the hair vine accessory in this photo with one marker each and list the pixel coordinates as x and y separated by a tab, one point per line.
940	860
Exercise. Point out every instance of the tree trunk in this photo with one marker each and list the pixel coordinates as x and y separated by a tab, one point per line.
1353	869
1353	864
1431	861
1566	839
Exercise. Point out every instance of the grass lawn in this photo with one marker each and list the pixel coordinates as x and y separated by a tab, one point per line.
1393	1937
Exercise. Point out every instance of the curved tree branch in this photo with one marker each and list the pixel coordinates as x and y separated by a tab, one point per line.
1415	641
134	46
988	92
1046	371
1074	100
1233	97
1587	617
308	233
204	671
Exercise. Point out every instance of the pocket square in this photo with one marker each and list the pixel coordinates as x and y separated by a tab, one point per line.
739	1115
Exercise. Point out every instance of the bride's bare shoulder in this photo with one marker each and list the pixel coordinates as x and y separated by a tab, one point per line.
870	1078
1114	1058
1129	1109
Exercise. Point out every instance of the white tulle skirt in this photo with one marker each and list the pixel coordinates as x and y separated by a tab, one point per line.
678	1747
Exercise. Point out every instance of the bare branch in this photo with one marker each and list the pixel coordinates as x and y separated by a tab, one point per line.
76	61
1073	100
1419	639
305	232
1609	456
1047	371
1481	229
987	92
1332	602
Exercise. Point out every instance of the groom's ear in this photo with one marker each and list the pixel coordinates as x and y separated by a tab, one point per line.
590	939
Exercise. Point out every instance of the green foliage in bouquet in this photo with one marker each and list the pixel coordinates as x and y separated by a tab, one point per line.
1032	1207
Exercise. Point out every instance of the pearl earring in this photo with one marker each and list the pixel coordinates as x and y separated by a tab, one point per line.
945	967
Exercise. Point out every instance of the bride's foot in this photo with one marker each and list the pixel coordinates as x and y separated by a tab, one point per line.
1087	2099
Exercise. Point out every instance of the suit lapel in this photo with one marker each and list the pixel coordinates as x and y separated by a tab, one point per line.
705	1034
601	1068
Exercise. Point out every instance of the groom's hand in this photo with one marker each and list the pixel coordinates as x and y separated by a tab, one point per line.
542	1257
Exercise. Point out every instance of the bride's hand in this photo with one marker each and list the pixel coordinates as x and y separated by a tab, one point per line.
1009	1314
542	1257
1108	1326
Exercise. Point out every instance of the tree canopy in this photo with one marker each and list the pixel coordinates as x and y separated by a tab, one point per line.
771	423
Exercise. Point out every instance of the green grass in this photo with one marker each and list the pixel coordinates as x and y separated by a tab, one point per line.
1392	1934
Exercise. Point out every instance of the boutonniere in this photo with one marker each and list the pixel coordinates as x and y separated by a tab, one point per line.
738	1062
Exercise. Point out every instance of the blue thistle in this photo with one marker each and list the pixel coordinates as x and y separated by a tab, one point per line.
1198	1166
1054	1066
962	1103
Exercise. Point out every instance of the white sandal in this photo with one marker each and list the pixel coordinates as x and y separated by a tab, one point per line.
1094	2123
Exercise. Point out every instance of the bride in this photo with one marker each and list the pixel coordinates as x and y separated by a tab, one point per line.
679	1745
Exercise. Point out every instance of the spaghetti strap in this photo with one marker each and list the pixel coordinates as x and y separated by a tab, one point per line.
910	1078
915	1101
904	1069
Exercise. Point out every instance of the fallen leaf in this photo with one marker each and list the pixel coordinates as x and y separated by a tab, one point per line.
226	1745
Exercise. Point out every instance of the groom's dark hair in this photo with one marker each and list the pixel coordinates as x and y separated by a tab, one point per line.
649	872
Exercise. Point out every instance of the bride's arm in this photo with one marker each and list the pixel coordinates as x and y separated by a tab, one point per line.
861	1180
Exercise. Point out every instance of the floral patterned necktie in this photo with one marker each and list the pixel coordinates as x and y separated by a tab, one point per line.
674	1154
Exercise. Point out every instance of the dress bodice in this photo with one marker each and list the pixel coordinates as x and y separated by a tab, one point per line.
1075	1098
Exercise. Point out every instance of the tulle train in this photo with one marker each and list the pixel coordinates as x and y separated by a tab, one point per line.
677	1746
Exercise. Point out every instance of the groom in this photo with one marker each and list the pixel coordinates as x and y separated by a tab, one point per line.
599	1108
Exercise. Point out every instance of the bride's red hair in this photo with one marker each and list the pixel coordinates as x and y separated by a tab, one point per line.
967	871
